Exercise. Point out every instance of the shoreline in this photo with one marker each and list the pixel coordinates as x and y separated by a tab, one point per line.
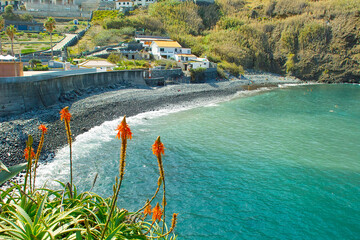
93	110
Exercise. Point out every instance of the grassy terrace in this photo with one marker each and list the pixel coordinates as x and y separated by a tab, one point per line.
30	42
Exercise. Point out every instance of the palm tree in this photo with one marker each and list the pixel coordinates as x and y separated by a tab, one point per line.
2	24
10	31
50	27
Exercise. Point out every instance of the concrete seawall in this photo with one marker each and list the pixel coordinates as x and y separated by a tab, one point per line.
21	94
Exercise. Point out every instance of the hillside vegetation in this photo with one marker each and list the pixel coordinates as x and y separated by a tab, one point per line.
312	40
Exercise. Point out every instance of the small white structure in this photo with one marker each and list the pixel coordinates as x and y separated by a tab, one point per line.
199	63
185	57
123	4
7	58
67	66
100	65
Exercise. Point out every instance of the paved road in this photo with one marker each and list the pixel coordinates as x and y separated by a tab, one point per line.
63	42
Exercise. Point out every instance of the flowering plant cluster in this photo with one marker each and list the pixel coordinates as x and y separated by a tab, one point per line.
41	213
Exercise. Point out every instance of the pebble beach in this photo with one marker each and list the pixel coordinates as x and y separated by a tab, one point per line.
94	107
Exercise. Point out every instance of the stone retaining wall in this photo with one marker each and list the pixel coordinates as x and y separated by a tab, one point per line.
166	73
21	94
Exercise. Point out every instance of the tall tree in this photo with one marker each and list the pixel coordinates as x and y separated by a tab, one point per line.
2	24
10	31
9	13
50	27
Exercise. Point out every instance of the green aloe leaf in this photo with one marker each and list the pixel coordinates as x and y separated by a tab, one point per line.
3	167
14	170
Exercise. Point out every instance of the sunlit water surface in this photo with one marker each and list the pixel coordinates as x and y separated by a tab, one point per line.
280	164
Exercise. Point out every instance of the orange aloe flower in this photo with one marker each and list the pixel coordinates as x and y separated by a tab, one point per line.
158	147
26	153
65	115
123	130
43	128
157	213
147	210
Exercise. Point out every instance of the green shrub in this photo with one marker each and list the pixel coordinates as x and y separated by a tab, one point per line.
234	69
107	37
221	73
34	62
314	36
41	68
27	51
26	17
25	68
166	63
284	8
127	31
100	15
290	63
178	17
132	64
230	23
73	28
289	41
114	58
197	75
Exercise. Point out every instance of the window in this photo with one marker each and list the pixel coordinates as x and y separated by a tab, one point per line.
161	49
175	49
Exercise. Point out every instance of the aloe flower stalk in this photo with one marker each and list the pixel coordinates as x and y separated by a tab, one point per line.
37	156
156	214
29	155
158	149
124	133
66	116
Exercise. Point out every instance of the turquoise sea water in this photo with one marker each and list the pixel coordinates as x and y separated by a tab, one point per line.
280	164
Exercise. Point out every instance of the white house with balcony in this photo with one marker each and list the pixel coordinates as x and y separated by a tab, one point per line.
168	49
165	49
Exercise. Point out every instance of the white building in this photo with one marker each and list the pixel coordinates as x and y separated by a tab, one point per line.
99	65
165	49
130	3
123	4
168	50
199	63
143	2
